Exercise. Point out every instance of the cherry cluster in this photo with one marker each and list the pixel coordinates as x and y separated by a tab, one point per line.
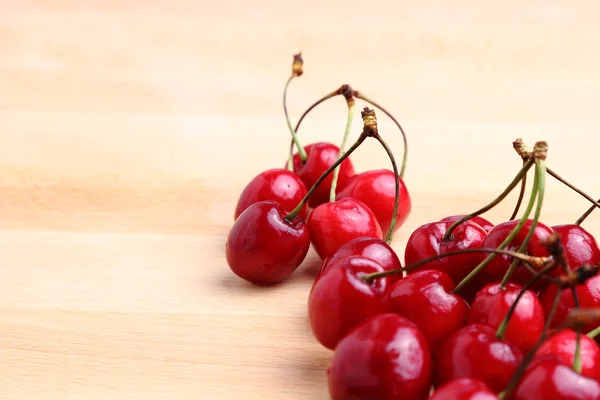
479	311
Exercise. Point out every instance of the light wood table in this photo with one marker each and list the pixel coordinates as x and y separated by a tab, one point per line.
128	128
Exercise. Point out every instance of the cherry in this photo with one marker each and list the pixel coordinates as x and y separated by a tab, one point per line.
475	352
321	156
376	189
548	378
496	269
424	298
263	247
464	389
341	299
279	185
384	358
580	246
484	223
526	323
333	224
562	345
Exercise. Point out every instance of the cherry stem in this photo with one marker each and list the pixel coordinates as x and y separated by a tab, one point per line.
521	196
392	228
577	358
350	101
496	201
594	333
296	72
404	139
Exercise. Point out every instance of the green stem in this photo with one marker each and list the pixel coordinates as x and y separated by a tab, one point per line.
585	215
577	358
336	173
301	151
521	196
392	228
503	195
594	333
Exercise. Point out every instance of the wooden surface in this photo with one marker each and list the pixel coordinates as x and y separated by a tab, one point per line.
128	129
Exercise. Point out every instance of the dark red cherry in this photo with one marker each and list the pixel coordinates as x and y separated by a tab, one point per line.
548	378
562	345
424	298
333	224
321	156
341	299
484	223
496	269
384	358
464	389
492	304
426	241
377	189
580	246
263	247
475	352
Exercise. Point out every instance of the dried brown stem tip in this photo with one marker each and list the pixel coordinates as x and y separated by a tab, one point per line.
579	276
540	150
369	122
348	94
297	65
577	318
555	249
521	149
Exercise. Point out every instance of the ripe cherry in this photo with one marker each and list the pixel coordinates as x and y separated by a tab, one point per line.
526	323
580	246
384	358
464	389
340	299
321	156
484	223
279	185
424	298
263	247
376	189
475	352
333	224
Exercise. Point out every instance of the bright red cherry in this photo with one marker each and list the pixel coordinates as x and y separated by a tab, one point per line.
321	156
279	185
562	345
377	189
464	389
333	224
265	248
492	304
475	352
341	299
384	358
548	378
484	223
580	246
424	298
496	269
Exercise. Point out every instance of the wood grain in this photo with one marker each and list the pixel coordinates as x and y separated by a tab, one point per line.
128	129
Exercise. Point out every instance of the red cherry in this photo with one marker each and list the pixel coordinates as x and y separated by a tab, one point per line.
333	224
341	299
263	247
427	241
279	185
321	156
377	190
580	246
484	223
496	269
464	389
548	378
424	298
527	322
562	345
475	352
384	358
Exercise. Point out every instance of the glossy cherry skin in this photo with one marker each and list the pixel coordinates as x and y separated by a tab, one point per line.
321	156
263	247
377	189
484	223
334	224
384	358
426	241
475	352
580	246
496	269
424	298
341	299
464	389
548	378
279	185
492	304
562	345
